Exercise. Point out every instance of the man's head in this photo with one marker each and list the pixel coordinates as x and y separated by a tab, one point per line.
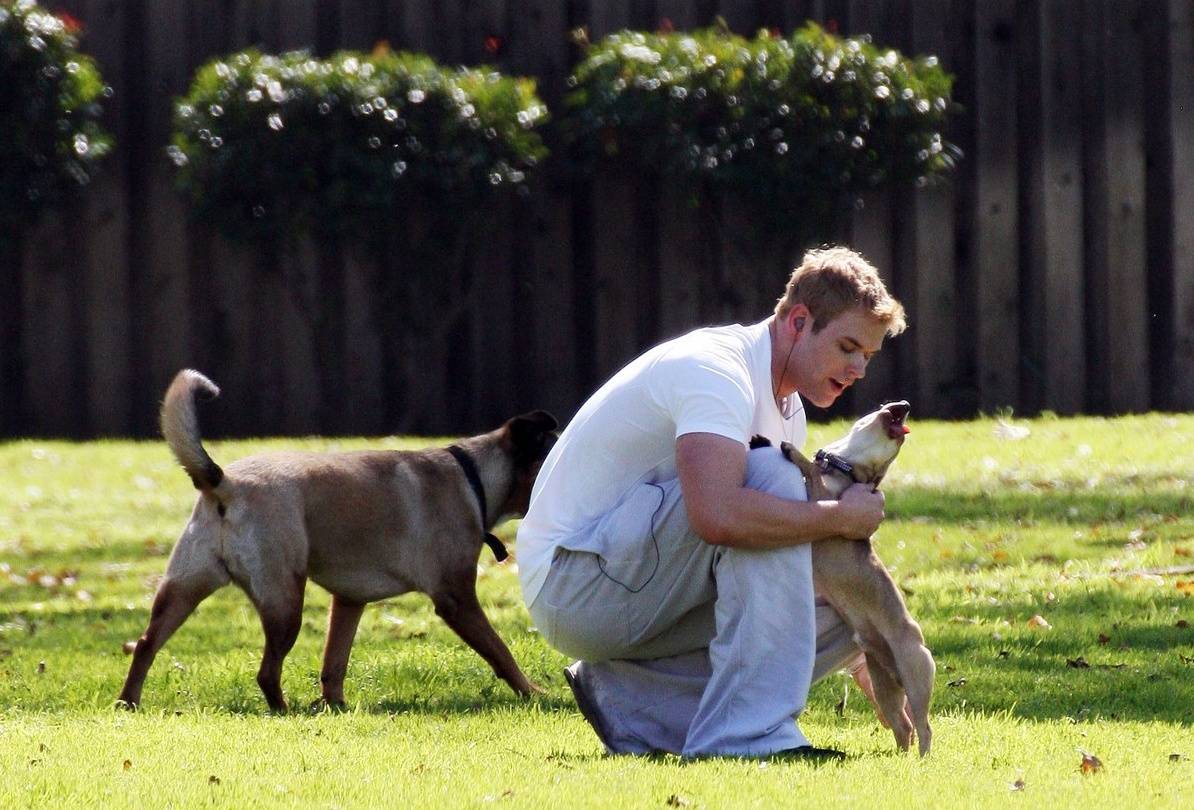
830	322
832	280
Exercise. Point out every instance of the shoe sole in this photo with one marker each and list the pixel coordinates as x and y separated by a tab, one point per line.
587	709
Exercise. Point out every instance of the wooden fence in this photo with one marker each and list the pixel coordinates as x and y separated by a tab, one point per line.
1055	271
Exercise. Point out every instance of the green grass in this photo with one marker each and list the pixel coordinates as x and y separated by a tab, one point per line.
1081	523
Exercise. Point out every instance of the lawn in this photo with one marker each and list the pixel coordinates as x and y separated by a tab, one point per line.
1050	562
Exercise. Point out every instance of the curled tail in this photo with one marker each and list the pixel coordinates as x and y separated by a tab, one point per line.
180	426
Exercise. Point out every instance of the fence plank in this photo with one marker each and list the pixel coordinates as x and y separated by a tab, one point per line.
116	318
1181	127
1054	213
932	252
1117	306
872	238
996	211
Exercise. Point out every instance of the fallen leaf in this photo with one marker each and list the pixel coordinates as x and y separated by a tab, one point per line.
1077	663
1006	431
999	556
1181	623
1017	785
1003	654
41	667
963	620
1185	659
1185	586
1039	621
1175	757
1090	763
676	800
1183	552
958	682
128	763
213	780
1104	638
129	647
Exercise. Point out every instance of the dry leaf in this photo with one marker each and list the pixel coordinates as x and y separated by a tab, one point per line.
676	800
128	763
1104	638
1181	623
1183	552
958	682
1090	763
999	556
1039	621
1185	586
213	780
1175	757
1077	663
1017	785
41	667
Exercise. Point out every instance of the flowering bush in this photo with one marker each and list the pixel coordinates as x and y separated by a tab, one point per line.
799	126
50	107
281	145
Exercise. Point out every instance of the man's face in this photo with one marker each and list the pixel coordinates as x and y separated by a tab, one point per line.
824	364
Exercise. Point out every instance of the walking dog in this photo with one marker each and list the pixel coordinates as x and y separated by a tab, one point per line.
364	526
850	576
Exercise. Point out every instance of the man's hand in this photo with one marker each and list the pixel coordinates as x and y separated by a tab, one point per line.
860	511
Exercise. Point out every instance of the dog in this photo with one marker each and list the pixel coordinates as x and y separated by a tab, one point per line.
850	576
363	525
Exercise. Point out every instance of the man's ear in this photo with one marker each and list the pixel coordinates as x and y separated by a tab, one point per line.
798	318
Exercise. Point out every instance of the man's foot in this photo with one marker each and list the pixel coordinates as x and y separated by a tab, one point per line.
588	708
811	754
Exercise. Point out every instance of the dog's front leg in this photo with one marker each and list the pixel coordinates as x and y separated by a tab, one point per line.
456	603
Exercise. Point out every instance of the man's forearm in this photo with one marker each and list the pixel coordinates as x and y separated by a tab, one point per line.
747	518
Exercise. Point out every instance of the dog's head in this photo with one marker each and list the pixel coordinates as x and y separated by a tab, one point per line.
527	439
874	441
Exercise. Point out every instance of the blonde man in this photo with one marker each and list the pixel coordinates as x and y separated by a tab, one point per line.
673	561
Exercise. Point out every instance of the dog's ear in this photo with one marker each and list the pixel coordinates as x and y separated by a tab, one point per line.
758	440
531	434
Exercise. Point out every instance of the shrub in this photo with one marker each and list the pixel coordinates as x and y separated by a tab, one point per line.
798	126
282	145
50	108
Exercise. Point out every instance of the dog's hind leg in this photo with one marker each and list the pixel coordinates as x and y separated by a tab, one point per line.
889	695
281	617
342	629
456	603
917	671
175	600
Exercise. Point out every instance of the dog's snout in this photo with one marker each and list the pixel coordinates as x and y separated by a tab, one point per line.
898	410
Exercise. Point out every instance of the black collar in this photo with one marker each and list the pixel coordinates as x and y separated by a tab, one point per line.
831	461
474	480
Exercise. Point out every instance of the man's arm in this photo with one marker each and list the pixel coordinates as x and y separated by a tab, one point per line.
722	511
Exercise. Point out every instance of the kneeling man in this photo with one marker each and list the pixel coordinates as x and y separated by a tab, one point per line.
673	561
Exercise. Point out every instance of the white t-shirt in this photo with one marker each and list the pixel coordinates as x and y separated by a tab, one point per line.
713	380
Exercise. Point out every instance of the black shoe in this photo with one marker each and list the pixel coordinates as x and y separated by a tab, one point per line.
810	754
588	709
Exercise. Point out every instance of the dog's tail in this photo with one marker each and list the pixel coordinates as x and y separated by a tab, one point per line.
180	426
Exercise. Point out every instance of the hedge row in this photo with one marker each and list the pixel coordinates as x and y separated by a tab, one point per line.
270	147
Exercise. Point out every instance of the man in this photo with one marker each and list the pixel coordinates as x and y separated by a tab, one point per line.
673	561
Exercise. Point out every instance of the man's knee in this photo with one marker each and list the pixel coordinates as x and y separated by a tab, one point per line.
768	471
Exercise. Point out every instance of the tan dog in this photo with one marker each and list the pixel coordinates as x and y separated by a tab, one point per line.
365	526
849	575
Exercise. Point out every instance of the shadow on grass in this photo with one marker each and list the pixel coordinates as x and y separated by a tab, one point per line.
1059	505
1109	654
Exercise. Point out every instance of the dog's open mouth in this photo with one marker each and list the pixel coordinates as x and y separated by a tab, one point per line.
893	415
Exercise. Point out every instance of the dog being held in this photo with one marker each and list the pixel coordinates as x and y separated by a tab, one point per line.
363	525
849	575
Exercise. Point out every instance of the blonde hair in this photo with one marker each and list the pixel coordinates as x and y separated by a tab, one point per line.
831	280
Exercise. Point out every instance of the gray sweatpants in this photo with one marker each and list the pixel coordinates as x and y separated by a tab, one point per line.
689	647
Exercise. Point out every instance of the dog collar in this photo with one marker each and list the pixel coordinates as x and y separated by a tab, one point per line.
831	461
474	480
